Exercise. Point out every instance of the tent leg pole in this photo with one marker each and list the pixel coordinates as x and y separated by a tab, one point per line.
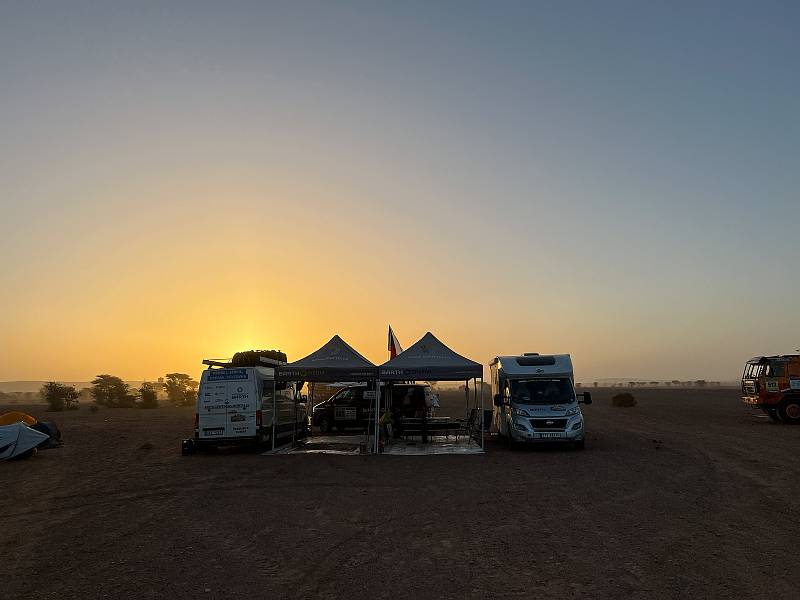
294	425
482	413
475	397
377	414
273	416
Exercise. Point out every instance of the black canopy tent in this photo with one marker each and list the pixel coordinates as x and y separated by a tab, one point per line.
429	359
335	361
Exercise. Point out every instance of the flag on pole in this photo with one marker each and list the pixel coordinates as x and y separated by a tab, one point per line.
394	345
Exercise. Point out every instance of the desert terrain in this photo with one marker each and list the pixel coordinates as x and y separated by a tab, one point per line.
688	494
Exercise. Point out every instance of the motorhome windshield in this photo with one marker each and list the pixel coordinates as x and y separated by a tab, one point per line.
542	391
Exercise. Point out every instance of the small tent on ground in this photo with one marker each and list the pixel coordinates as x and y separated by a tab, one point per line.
18	440
49	428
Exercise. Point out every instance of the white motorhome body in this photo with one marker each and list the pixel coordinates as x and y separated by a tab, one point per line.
235	405
535	400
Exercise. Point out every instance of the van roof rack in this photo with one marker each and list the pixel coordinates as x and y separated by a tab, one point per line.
213	362
227	364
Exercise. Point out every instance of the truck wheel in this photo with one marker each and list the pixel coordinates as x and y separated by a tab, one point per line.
789	410
324	425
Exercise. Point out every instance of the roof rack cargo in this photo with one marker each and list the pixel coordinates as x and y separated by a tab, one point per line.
256	358
249	358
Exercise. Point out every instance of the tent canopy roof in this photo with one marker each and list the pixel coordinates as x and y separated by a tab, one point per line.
429	359
335	361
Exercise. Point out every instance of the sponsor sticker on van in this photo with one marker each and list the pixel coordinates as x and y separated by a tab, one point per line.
227	374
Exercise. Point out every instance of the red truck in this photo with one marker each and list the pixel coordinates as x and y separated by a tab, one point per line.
772	383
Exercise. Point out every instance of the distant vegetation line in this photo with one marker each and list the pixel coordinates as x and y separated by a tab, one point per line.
104	390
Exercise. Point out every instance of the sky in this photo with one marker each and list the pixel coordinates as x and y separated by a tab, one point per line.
615	180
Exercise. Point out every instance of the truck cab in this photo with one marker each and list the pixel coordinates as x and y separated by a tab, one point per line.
772	383
535	401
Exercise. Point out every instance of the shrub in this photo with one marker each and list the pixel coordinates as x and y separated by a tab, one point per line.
181	389
148	398
59	396
111	391
623	400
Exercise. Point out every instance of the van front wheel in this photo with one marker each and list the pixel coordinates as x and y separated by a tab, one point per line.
789	410
325	425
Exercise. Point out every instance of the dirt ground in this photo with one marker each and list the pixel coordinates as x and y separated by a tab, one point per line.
686	495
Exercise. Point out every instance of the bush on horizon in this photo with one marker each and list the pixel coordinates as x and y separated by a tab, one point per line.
148	398
59	397
623	400
181	389
110	391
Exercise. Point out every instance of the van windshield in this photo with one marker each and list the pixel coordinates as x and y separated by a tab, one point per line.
542	391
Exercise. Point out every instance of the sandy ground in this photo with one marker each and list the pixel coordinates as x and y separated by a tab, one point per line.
686	495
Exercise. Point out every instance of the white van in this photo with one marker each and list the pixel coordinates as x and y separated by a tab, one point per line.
235	406
535	400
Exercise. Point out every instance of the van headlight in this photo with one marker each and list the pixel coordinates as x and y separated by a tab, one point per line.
572	411
519	412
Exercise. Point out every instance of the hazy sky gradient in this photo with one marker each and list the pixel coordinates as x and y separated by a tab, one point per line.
614	180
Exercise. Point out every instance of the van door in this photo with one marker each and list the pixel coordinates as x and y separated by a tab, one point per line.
285	407
241	406
212	409
267	394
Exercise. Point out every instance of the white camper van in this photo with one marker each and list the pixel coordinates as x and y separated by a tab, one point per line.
235	406
535	400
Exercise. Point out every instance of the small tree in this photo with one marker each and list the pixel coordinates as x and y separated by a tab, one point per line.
148	396
181	389
112	392
59	396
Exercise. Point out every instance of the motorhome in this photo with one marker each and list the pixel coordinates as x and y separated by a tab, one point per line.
236	405
535	401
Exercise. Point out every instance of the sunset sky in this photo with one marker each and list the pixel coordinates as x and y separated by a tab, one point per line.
616	180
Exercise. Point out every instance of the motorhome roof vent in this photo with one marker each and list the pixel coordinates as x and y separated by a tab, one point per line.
528	360
530	354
